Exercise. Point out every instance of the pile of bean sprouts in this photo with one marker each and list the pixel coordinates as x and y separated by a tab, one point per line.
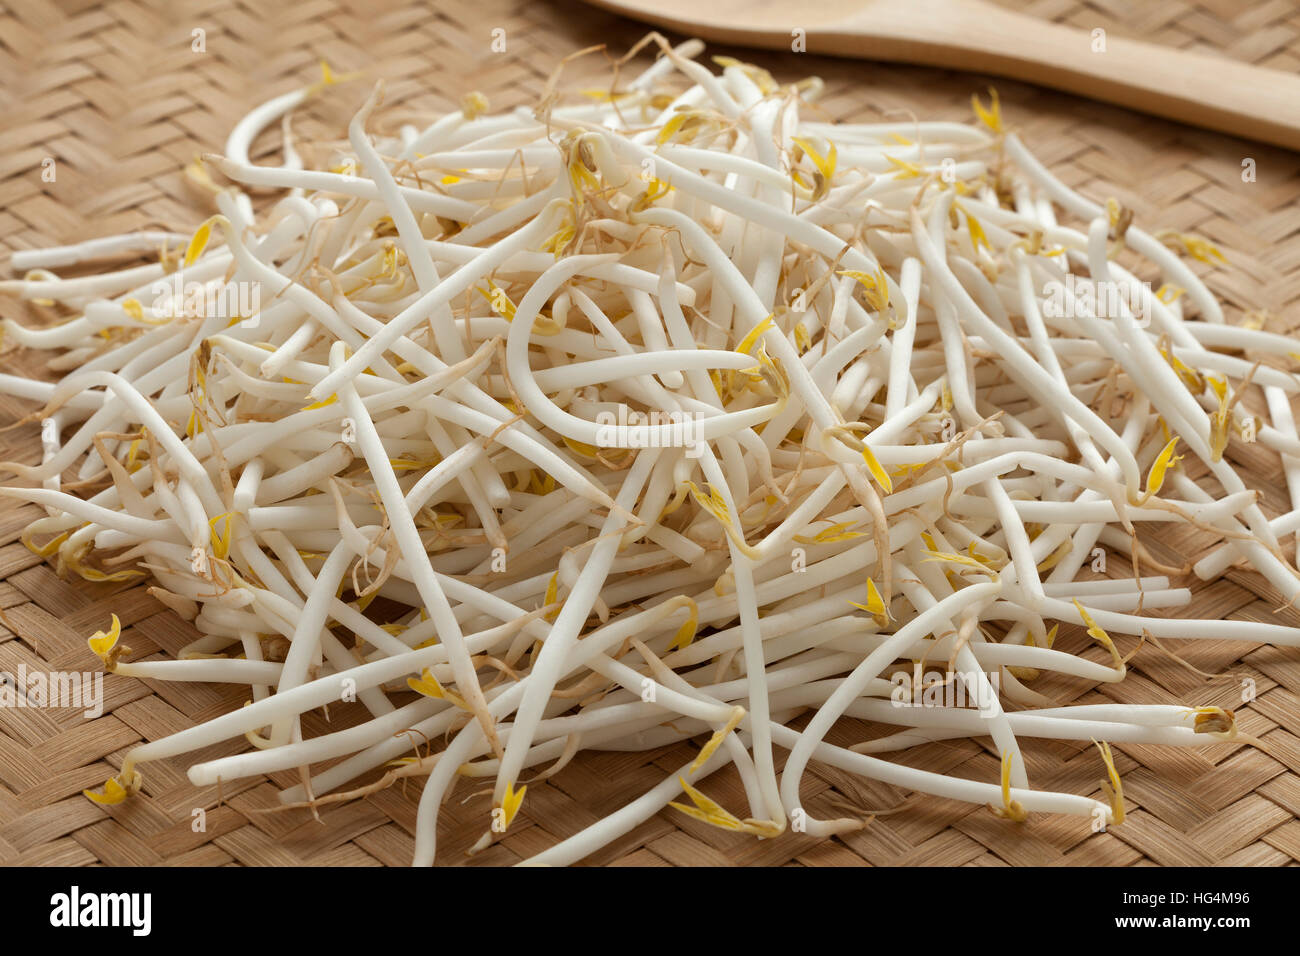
662	411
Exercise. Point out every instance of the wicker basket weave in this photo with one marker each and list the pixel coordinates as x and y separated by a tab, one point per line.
115	93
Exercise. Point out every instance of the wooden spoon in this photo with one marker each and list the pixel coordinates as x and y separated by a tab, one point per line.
1212	92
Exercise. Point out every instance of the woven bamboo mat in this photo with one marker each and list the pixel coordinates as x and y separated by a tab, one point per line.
116	95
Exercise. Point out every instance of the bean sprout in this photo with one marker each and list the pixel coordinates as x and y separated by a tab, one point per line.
665	414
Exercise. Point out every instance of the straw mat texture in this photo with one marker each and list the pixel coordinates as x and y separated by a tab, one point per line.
114	93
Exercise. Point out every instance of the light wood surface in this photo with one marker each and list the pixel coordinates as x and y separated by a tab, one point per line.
1249	101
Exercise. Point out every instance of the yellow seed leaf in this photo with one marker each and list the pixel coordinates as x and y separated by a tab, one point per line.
875	285
46	549
801	338
114	793
825	164
977	236
552	595
1112	788
473	105
101	643
1164	461
754	335
955	558
875	603
582	448
706	810
991	117
221	540
1010	809
314	405
427	685
714	742
905	170
686	633
1098	634
511	802
877	472
198	243
673	126
836	532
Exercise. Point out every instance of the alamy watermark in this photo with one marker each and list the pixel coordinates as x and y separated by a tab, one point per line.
1105	299
623	429
82	690
133	911
949	689
173	297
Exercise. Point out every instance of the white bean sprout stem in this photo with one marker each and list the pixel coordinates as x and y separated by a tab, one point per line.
659	413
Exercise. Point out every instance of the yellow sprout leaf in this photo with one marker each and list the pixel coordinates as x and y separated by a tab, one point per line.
473	105
1188	375
825	164
221	539
1010	809
707	810
1098	634
1169	294
675	125
582	448
102	644
836	532
428	685
498	301
512	801
877	471
754	335
714	742
655	190
875	286
94	574
991	117
1164	461
552	595
905	170
134	309
875	603
713	503
1202	250
1215	721
198	242
321	404
801	338
977	236
1112	788
686	633
330	78
114	792
955	558
1220	420
46	549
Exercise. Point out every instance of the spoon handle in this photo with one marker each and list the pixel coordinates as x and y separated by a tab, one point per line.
1211	92
1207	91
